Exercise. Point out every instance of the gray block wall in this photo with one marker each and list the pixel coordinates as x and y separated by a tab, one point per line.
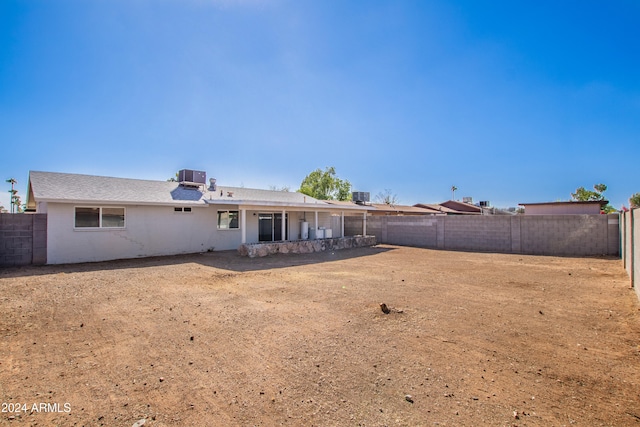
636	250
477	233
567	235
630	242
627	240
23	239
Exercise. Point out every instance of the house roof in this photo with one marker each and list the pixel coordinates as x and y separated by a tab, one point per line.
452	207
383	207
462	207
435	207
77	188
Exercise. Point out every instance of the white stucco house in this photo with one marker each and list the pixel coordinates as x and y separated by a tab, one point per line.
98	218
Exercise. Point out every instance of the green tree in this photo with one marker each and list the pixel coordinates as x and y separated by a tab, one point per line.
17	201
387	197
325	185
634	200
584	195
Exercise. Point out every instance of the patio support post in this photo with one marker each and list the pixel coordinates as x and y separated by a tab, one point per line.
364	224
284	223
315	225
342	224
243	225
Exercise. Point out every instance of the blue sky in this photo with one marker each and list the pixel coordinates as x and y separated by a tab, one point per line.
510	101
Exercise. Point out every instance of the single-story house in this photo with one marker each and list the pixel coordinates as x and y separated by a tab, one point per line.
453	207
98	218
377	209
565	208
401	210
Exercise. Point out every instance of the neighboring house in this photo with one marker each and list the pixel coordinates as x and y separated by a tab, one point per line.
97	218
376	209
453	207
564	208
435	207
462	208
397	210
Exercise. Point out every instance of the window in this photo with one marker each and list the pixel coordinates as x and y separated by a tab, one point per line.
99	218
87	217
227	219
112	218
182	210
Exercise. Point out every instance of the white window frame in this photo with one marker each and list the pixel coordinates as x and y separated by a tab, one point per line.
100	226
227	211
182	209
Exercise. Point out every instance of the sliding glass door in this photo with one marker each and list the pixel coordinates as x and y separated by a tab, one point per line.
270	227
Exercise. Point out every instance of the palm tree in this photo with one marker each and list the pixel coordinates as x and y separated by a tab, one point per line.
13	192
453	192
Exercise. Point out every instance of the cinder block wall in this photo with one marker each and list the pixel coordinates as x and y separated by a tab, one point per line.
630	240
570	235
23	239
477	233
636	250
574	235
627	240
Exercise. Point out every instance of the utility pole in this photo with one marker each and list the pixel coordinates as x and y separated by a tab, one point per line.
13	192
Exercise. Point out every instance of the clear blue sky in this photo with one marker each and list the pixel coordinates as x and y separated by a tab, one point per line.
511	101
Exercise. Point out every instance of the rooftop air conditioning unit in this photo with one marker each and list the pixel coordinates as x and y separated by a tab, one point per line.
191	177
360	197
467	200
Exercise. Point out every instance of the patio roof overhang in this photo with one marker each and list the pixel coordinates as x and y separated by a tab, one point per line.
257	205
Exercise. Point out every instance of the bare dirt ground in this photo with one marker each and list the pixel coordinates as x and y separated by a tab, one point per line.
216	339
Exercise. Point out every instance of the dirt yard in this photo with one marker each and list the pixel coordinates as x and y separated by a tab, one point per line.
300	340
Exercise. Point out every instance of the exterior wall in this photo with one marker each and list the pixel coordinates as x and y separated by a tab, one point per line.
412	231
566	235
570	235
630	236
627	243
156	231
149	231
23	239
563	209
477	233
636	250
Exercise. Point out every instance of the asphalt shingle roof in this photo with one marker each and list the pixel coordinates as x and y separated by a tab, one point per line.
68	187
